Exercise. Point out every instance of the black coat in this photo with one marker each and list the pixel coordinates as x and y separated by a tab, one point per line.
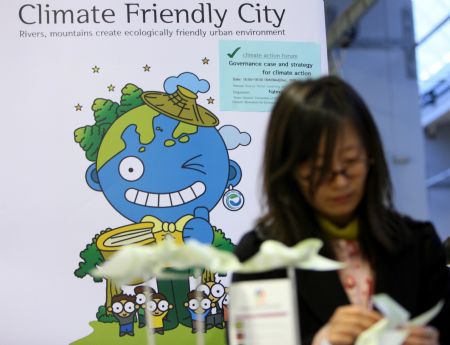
417	278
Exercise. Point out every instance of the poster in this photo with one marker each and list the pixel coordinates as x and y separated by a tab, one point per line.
131	122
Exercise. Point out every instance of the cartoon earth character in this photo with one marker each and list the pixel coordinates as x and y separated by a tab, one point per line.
165	163
166	167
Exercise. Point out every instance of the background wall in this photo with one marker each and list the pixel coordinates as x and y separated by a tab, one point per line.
437	145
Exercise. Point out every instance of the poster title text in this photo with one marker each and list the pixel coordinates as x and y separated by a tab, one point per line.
203	13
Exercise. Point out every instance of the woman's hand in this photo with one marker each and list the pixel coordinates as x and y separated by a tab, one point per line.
348	322
422	336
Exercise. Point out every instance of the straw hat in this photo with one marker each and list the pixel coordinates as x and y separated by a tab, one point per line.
182	106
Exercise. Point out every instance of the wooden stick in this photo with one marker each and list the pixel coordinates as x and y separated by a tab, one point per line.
293	279
200	339
151	339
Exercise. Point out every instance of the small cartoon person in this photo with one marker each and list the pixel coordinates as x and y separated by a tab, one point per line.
142	294
199	307
158	307
214	291
224	302
124	309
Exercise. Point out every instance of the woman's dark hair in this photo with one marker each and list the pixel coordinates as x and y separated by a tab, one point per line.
305	112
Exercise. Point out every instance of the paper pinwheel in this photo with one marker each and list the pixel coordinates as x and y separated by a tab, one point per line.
393	328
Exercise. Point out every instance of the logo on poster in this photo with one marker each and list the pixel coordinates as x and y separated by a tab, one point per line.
233	200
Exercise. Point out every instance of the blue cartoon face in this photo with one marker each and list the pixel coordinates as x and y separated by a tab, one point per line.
182	167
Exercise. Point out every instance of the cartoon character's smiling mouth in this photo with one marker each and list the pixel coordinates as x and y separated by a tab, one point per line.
165	199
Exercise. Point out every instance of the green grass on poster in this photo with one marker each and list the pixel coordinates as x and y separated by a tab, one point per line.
108	334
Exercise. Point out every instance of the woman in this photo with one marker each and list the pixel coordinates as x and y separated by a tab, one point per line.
325	176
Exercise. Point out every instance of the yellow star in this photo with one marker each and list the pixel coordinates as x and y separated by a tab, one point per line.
111	88
78	107
211	100
146	68
95	69
205	61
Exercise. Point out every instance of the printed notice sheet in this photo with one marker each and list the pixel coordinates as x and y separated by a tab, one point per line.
263	312
253	73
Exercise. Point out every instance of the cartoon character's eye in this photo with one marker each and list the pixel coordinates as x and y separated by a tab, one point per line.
195	163
159	129
217	290
203	288
193	304
140	298
206	303
129	307
131	168
151	306
117	307
163	305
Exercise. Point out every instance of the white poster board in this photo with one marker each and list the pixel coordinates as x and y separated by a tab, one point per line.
75	73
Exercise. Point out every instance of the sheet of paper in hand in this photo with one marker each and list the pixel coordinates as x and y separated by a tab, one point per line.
263	312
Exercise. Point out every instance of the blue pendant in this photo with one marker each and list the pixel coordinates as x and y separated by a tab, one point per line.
233	199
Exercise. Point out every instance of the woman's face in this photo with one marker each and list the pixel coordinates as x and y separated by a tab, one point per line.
338	195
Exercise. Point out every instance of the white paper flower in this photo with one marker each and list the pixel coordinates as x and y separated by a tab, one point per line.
304	255
143	262
393	328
